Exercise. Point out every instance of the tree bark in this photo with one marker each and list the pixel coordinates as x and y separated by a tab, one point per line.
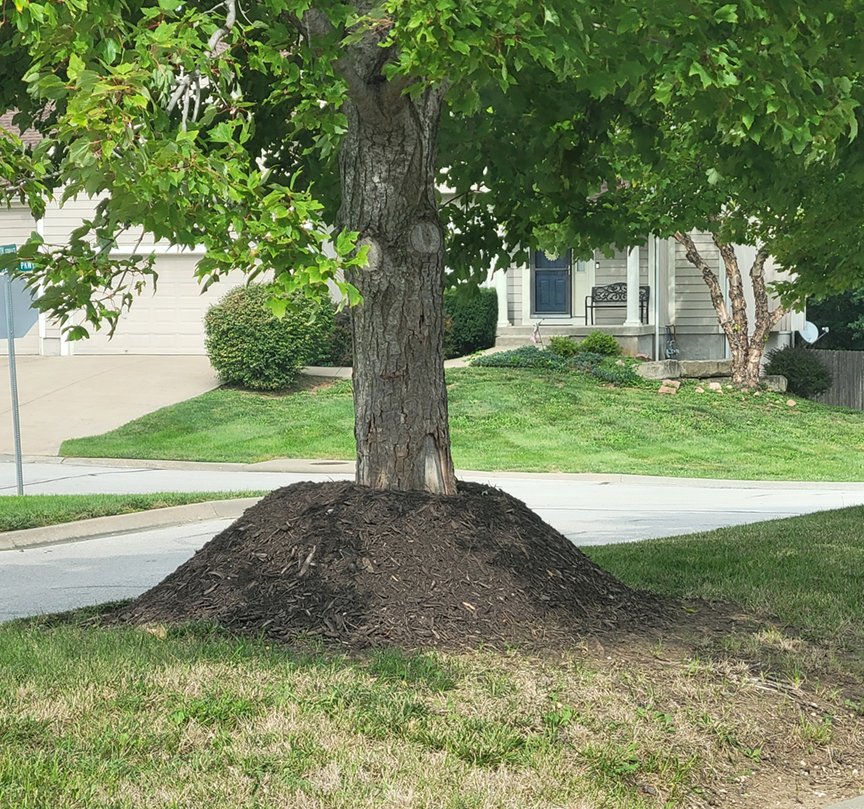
387	165
746	350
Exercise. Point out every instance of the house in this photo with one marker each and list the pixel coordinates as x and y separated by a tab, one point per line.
167	320
552	292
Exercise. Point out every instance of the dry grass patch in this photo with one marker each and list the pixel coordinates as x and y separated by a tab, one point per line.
126	718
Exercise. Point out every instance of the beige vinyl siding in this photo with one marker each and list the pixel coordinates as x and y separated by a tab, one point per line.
694	313
169	321
59	222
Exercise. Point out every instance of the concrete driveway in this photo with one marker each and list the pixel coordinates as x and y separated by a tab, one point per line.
73	397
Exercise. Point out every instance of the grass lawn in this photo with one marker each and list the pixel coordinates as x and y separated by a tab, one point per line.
191	717
807	572
38	510
524	420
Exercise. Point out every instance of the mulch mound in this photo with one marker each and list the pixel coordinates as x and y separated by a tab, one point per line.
363	568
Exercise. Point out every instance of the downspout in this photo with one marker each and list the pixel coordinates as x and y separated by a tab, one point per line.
654	255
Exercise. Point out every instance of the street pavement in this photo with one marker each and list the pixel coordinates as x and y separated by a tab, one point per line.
588	509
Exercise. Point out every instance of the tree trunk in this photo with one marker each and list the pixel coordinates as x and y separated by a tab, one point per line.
746	350
387	165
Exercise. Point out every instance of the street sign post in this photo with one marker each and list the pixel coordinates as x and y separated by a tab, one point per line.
17	301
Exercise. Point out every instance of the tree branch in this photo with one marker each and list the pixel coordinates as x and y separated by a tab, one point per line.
736	287
189	85
765	319
315	24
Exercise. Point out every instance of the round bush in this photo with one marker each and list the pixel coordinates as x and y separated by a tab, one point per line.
249	346
600	343
470	321
564	347
806	375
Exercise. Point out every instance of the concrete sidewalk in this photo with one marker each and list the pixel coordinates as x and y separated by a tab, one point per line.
73	397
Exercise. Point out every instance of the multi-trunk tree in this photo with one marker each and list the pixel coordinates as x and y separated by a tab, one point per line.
265	129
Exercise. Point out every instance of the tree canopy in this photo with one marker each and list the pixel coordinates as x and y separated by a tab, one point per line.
265	130
219	125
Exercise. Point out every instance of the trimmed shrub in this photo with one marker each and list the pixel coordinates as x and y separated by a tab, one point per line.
806	375
340	352
249	346
600	343
470	322
565	347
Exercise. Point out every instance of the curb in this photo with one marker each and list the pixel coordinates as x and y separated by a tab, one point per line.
125	523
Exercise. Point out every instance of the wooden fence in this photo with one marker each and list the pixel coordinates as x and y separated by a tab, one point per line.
847	369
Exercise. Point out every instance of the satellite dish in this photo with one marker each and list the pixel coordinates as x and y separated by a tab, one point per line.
810	332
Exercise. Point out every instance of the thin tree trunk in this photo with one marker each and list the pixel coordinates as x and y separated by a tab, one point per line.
747	350
387	164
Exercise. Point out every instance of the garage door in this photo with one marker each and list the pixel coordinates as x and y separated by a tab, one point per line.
169	321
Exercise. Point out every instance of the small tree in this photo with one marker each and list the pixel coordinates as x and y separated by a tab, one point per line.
747	348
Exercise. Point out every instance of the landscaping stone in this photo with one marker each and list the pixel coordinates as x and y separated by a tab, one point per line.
704	369
775	382
672	383
715	386
667	389
659	370
717	370
790	402
700	390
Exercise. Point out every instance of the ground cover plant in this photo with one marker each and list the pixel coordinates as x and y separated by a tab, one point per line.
712	709
524	420
39	510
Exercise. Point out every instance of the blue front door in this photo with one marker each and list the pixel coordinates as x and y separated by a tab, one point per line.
551	284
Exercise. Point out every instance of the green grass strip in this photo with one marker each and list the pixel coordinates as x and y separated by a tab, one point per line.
524	420
807	571
39	510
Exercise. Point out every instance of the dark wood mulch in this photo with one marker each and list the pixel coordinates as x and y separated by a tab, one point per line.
365	567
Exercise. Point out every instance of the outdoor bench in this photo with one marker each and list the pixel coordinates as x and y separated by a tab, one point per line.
615	296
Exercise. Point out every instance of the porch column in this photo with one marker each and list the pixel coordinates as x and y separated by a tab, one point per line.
633	288
499	279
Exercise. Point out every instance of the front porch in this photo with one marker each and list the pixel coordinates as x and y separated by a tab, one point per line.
632	339
626	295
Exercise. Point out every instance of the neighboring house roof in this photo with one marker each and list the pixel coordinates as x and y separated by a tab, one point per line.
30	136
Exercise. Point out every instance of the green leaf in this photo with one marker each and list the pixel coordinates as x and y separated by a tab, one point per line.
727	13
